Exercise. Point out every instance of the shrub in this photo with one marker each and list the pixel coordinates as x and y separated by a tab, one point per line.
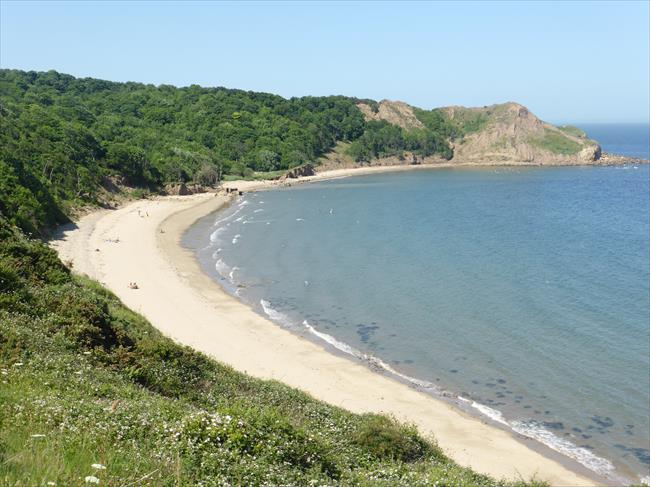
207	175
384	438
262	434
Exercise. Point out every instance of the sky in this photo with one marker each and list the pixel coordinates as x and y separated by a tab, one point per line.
567	62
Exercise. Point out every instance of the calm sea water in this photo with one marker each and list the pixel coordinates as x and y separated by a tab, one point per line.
627	139
523	293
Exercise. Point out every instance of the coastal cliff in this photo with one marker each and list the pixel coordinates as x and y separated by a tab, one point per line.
511	133
505	133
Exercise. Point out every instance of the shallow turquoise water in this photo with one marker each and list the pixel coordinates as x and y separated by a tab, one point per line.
525	291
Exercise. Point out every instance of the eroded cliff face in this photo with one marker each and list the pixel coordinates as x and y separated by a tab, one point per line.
505	133
510	133
395	112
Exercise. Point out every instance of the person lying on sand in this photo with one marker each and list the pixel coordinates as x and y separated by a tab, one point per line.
133	285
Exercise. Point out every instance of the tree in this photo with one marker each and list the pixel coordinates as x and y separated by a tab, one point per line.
208	175
130	161
267	161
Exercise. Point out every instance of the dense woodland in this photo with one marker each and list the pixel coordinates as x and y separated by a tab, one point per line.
61	137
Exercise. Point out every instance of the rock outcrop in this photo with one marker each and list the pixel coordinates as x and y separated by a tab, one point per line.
509	133
395	112
506	133
300	171
182	189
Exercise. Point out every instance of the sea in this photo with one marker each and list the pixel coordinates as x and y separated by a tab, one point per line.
520	294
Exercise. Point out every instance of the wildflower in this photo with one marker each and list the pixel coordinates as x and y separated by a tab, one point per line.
91	479
98	466
51	483
38	435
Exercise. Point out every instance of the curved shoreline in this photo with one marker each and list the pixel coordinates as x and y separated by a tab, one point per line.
186	304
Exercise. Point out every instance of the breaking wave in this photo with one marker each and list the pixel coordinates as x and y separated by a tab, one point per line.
534	430
530	429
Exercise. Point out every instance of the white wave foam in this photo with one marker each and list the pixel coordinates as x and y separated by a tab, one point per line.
344	347
235	239
372	360
275	315
491	413
420	383
645	480
300	219
530	429
258	210
534	430
222	268
227	218
214	236
232	273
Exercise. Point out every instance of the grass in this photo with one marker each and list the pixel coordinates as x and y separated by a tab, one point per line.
90	389
575	131
556	143
470	121
255	176
465	121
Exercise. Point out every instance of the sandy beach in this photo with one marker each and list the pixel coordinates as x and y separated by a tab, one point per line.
140	243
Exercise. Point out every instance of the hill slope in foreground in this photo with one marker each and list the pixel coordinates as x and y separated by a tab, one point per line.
91	393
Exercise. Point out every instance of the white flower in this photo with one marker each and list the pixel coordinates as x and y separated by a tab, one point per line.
38	435
91	479
98	466
51	483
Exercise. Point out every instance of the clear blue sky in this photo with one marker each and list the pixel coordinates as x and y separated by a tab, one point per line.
579	62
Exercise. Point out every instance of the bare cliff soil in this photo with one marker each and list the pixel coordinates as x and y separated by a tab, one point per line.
505	133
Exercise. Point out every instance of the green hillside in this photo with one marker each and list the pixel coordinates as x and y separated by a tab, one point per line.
63	139
90	392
